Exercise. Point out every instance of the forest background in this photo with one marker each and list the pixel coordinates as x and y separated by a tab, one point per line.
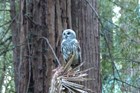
119	30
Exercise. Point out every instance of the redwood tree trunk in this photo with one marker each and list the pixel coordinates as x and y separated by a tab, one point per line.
33	59
85	22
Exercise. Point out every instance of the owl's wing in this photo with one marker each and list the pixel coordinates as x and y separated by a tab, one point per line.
63	48
77	48
68	48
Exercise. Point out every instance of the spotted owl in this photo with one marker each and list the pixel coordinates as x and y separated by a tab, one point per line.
69	46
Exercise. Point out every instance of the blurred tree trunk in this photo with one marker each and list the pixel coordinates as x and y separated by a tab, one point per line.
33	59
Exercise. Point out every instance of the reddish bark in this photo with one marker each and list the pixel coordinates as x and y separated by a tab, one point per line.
33	60
85	22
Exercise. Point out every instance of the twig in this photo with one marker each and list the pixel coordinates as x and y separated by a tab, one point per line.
93	9
5	23
67	66
51	49
5	10
126	83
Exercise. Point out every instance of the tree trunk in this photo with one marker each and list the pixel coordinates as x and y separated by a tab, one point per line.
33	59
85	22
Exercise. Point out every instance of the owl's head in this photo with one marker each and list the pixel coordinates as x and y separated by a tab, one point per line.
68	34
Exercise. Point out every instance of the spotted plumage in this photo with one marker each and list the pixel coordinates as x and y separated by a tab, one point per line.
69	46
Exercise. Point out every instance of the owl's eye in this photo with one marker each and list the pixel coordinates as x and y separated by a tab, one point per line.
68	33
64	33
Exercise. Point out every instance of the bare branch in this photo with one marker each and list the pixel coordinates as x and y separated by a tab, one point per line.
126	83
5	23
51	49
93	9
67	66
4	10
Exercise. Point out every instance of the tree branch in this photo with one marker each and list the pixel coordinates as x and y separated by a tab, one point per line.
126	83
51	49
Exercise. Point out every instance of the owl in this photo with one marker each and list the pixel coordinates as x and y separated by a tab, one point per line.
69	46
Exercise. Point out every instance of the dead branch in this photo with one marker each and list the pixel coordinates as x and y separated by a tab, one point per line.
51	49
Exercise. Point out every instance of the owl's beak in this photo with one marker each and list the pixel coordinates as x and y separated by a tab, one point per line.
66	36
